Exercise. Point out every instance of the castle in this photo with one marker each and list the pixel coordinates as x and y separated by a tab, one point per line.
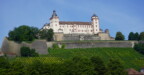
68	30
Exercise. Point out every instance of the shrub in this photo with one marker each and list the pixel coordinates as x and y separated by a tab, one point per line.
4	63
139	47
63	46
55	46
27	52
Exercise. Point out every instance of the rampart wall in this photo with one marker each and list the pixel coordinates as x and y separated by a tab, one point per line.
12	47
98	44
41	46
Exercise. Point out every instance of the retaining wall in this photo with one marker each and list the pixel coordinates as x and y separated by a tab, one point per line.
98	44
12	47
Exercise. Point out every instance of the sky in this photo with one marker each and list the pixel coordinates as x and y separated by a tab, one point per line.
116	15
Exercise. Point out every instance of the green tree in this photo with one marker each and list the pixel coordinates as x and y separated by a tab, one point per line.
141	36
50	35
46	34
119	36
34	32
131	36
99	66
17	68
23	33
4	63
78	66
136	36
43	34
115	67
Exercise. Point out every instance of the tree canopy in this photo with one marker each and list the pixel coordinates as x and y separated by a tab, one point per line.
46	34
23	33
141	36
133	36
119	36
27	33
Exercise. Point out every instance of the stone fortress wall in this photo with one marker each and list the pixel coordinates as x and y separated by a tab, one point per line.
77	37
41	46
11	47
87	44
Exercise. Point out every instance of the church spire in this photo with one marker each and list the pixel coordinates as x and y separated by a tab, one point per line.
54	15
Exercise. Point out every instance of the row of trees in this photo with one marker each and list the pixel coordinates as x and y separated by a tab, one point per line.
75	66
136	36
132	36
27	33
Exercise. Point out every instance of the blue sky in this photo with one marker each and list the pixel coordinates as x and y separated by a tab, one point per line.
115	15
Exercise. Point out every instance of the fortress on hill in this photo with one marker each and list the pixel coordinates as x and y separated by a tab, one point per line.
70	30
64	31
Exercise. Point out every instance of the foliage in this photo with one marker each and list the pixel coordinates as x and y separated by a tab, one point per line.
75	66
136	36
4	63
27	52
141	37
46	34
133	36
139	47
78	66
128	56
55	46
18	68
116	68
23	33
63	46
119	36
99	66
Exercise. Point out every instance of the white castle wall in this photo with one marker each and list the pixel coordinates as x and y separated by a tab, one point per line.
93	28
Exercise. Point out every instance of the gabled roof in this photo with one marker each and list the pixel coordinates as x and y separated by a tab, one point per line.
72	23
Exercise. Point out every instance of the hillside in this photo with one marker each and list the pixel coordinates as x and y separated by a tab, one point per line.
128	57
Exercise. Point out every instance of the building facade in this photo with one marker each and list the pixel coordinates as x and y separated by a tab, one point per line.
70	30
73	27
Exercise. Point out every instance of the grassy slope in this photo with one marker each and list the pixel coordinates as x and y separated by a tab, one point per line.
129	57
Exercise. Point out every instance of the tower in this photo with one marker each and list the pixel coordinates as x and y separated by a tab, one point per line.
95	23
54	21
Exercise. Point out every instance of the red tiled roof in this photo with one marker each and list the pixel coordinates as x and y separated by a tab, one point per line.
133	72
72	23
